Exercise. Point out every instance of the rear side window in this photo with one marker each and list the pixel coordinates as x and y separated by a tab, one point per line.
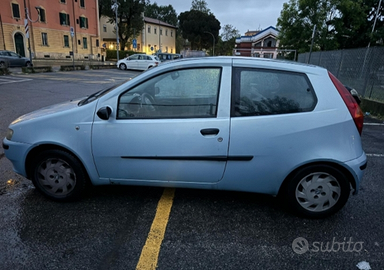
268	92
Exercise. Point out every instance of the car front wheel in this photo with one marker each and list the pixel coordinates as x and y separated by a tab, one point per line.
123	66
58	175
28	64
317	191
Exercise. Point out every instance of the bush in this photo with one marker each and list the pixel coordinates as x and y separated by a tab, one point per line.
111	54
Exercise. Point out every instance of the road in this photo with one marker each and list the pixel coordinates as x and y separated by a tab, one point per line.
109	227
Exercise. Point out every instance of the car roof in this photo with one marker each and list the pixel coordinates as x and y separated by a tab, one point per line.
251	61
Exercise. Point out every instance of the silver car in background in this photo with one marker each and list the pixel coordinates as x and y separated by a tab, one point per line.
227	123
14	59
138	62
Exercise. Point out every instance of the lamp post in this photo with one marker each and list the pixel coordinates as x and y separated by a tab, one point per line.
213	45
114	7
27	18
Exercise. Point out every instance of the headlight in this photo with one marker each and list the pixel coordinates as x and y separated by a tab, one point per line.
9	134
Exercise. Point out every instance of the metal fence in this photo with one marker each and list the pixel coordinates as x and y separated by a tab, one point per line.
362	69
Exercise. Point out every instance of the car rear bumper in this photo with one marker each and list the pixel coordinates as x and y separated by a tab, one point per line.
357	167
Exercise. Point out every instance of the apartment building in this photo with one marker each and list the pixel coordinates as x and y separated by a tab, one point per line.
262	43
155	36
55	28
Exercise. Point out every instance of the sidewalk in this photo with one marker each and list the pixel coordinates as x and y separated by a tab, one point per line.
57	63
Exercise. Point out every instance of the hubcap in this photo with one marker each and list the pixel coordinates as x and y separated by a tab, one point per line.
56	176
318	192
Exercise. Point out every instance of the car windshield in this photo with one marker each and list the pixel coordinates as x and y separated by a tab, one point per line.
98	94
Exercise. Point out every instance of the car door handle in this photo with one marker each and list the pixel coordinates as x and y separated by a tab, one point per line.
209	131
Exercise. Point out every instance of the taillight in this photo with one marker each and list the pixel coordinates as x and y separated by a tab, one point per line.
349	100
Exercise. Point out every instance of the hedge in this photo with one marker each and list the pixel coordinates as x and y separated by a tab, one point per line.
111	54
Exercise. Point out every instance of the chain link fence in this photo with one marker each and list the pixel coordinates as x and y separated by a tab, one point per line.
362	69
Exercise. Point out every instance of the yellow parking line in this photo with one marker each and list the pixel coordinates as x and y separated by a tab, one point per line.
150	253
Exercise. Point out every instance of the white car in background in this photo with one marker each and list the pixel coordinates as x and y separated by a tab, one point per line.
138	61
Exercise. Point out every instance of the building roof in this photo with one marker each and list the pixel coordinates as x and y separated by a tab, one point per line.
156	21
261	34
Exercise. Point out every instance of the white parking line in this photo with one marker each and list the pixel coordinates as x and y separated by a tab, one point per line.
373	124
374	155
8	79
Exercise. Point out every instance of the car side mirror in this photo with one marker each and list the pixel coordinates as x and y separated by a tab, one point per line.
104	113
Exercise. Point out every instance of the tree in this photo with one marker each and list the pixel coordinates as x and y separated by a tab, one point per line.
227	40
195	24
164	13
129	18
340	24
200	5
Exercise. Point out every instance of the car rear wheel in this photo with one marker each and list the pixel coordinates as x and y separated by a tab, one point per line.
317	191
123	66
58	175
28	64
2	65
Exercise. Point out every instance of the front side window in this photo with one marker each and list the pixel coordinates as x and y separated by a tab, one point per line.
66	41
189	93
44	39
15	10
83	22
268	92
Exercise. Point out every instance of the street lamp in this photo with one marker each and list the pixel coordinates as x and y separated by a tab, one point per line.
114	7
213	46
27	18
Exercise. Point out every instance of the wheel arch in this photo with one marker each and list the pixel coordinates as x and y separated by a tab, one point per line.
43	147
345	171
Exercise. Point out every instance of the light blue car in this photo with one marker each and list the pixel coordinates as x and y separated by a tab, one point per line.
227	123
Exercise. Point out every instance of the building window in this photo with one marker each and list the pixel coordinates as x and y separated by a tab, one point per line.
149	29
44	39
155	31
64	18
161	32
42	15
83	22
85	44
66	41
171	33
62	1
104	28
15	11
166	32
82	3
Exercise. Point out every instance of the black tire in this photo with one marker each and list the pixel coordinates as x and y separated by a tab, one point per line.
2	64
316	191
58	175
28	64
123	66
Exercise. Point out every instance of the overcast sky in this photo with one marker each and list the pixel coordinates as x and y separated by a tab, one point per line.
244	15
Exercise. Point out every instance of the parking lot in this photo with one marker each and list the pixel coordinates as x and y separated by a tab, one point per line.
122	227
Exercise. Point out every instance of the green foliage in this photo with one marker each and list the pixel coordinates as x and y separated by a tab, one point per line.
200	5
227	40
194	26
163	13
129	17
340	24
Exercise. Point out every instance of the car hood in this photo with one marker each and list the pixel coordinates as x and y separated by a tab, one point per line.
46	111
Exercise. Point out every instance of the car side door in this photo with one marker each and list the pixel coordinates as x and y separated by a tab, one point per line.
166	129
